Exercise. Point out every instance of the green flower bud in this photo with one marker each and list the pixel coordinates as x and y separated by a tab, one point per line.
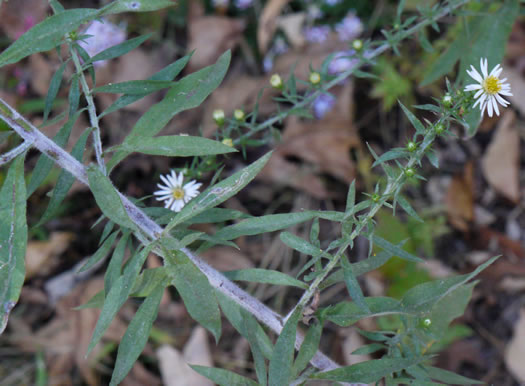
315	78
276	81
218	116
411	146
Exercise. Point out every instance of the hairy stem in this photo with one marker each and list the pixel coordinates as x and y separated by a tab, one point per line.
93	118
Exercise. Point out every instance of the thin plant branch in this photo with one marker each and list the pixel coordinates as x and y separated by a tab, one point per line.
93	118
7	157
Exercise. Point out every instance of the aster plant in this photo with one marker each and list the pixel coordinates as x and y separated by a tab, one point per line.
425	310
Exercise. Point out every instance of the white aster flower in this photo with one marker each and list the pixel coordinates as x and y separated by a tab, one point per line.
489	87
174	193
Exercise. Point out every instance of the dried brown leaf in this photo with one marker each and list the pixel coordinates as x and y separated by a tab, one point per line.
268	22
500	164
515	350
459	200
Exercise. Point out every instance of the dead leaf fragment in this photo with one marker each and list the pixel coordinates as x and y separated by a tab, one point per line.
268	22
459	200
292	26
500	164
174	364
40	254
210	36
515	351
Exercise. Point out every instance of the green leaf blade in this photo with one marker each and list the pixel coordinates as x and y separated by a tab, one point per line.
46	35
176	146
13	238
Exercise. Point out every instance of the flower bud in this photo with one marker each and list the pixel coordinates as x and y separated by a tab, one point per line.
315	78
238	114
411	146
227	142
218	116
447	100
276	81
357	44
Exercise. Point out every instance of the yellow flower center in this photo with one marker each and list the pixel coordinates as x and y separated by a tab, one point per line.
178	193
492	85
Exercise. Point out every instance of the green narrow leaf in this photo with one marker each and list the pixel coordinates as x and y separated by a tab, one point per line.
219	193
52	92
350	197
390	155
45	164
223	377
299	244
175	146
345	314
118	293
449	377
148	281
369	371
86	58
251	330
114	268
97	301
134	87
107	198
64	181
167	73
270	223
238	318
394	249
13	238
136	335
120	6
74	95
408	208
260	275
422	296
189	92
308	348
119	49
369	349
280	370
46	35
101	253
195	290
420	128
352	285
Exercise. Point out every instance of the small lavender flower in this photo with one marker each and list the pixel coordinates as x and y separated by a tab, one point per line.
279	46
104	35
331	3
349	28
268	63
243	4
317	34
322	105
342	61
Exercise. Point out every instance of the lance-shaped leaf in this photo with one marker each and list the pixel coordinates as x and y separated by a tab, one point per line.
13	238
347	313
118	294
45	164
119	49
46	35
64	181
195	290
120	6
52	92
299	244
167	73
136	336
260	275
420	128
352	285
107	197
134	87
189	92
280	369
369	371
219	193
308	348
175	146
223	377
394	249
